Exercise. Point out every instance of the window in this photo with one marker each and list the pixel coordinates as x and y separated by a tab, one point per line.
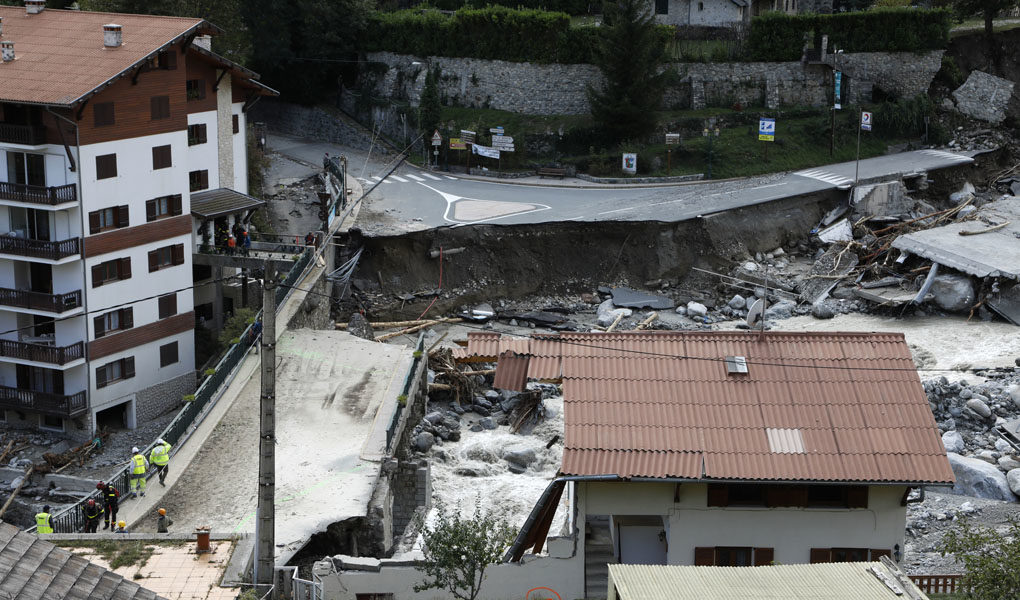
662	7
51	423
106	166
197	134
701	6
198	180
115	371
803	496
167	256
161	158
26	168
162	207
730	556
195	89
827	555
160	107
106	219
103	114
167	305
167	60
115	320
236	123
167	354
110	271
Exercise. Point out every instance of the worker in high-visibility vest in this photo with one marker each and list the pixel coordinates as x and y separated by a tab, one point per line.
159	457
42	520
138	468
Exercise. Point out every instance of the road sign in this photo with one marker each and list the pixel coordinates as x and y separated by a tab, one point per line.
437	140
504	147
629	163
502	139
866	121
468	137
672	139
457	144
766	130
496	130
839	81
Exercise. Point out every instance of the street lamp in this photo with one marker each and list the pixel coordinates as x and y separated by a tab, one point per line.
709	133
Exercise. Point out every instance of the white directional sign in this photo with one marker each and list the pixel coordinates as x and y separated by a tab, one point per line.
468	137
672	139
866	121
496	130
502	139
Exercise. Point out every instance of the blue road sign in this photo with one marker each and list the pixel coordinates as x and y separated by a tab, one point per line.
767	130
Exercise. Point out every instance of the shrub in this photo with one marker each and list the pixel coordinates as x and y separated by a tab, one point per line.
189	397
571	7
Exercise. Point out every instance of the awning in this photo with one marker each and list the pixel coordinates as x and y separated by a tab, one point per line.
209	204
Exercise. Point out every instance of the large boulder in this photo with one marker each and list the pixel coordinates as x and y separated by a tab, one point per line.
975	477
983	96
607	313
953	293
953	441
979	407
1013	479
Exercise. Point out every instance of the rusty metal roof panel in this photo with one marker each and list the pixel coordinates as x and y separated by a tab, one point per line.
819	441
511	372
846	416
517	345
544	368
794	415
894	415
483	343
685	465
634	437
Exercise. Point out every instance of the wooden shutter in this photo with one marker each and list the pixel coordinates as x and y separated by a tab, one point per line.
127	318
704	557
128	367
177	253
176	205
101	377
100	324
718	494
103	113
122	216
125	268
204	177
161	157
857	496
97	275
763	557
169	60
106	166
94	222
821	555
153	260
150	210
877	553
168	306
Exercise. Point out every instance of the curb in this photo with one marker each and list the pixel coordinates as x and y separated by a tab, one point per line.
603	186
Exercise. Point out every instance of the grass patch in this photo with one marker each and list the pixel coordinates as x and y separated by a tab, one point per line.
119	553
975	25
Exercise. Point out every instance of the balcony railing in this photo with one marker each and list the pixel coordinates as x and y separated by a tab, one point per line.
29	135
37	194
57	355
39	248
43	402
57	303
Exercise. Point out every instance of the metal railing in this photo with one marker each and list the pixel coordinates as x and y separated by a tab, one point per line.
402	401
37	194
938	584
57	303
44	402
39	248
56	355
70	520
29	135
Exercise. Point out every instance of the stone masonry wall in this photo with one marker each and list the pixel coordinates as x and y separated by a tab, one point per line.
560	89
412	489
158	399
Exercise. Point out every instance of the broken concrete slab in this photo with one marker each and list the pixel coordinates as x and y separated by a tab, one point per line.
887	296
1006	303
992	254
827	272
888	199
538	317
984	97
624	297
840	231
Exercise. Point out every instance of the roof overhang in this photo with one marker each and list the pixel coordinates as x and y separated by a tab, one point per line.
210	204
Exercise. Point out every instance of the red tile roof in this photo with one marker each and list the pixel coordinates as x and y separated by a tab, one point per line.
60	56
661	404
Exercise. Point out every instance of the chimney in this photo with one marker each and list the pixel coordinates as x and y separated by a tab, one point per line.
34	7
7	50
112	35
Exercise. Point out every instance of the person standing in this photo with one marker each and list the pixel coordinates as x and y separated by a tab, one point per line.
110	497
159	457
256	333
42	520
138	468
231	245
245	243
91	511
163	522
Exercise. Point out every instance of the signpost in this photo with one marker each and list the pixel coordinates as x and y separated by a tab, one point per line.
766	133
629	163
468	137
672	139
839	82
865	126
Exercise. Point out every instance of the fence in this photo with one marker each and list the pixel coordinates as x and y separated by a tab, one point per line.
419	356
70	520
938	584
288	585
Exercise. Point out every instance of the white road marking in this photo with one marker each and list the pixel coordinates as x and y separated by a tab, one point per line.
400	179
947	155
374	178
825	176
386	181
414	177
450	178
432	177
451	198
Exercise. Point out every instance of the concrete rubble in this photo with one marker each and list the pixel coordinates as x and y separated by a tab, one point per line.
984	97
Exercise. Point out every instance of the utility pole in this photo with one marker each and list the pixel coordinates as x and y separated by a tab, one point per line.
265	546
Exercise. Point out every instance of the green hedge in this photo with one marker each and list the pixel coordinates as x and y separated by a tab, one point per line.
495	32
780	37
571	7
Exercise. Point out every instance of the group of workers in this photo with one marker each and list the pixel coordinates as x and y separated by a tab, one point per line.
109	496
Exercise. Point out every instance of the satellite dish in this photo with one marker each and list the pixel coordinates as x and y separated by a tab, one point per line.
755	313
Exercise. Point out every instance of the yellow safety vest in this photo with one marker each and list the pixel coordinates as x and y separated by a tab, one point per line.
42	523
139	464
160	455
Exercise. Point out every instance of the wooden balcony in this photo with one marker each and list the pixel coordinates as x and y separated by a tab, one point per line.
29	135
42	353
37	194
56	303
39	248
43	402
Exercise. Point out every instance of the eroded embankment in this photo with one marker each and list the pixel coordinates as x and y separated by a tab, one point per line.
486	262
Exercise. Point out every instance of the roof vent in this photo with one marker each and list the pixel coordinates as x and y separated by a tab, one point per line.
112	35
34	7
736	364
7	50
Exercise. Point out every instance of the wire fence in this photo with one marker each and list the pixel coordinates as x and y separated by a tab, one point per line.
402	401
72	520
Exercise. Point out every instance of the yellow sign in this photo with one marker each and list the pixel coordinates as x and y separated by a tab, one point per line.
456	144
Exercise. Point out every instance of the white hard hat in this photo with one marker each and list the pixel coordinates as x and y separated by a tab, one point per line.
160	441
135	449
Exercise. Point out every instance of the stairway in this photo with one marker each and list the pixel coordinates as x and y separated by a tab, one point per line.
598	551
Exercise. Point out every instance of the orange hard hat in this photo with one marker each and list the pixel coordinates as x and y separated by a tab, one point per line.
162	511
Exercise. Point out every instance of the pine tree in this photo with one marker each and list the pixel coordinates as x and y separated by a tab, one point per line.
631	57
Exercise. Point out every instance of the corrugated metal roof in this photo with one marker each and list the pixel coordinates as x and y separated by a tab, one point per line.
60	56
33	569
511	372
827	581
209	204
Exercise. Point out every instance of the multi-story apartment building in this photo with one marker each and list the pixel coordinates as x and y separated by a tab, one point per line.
110	127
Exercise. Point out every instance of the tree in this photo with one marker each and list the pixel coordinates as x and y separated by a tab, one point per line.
991	559
989	9
458	550
632	58
431	108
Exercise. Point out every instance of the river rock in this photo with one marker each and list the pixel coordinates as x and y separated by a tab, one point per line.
989	456
979	407
975	477
1002	446
737	302
434	417
522	456
607	313
696	309
1014	391
487	423
424	441
358	326
1008	463
822	311
1013	480
953	441
481	410
780	310
953	293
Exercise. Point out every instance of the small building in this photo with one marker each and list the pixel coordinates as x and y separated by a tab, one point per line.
879	580
705	13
